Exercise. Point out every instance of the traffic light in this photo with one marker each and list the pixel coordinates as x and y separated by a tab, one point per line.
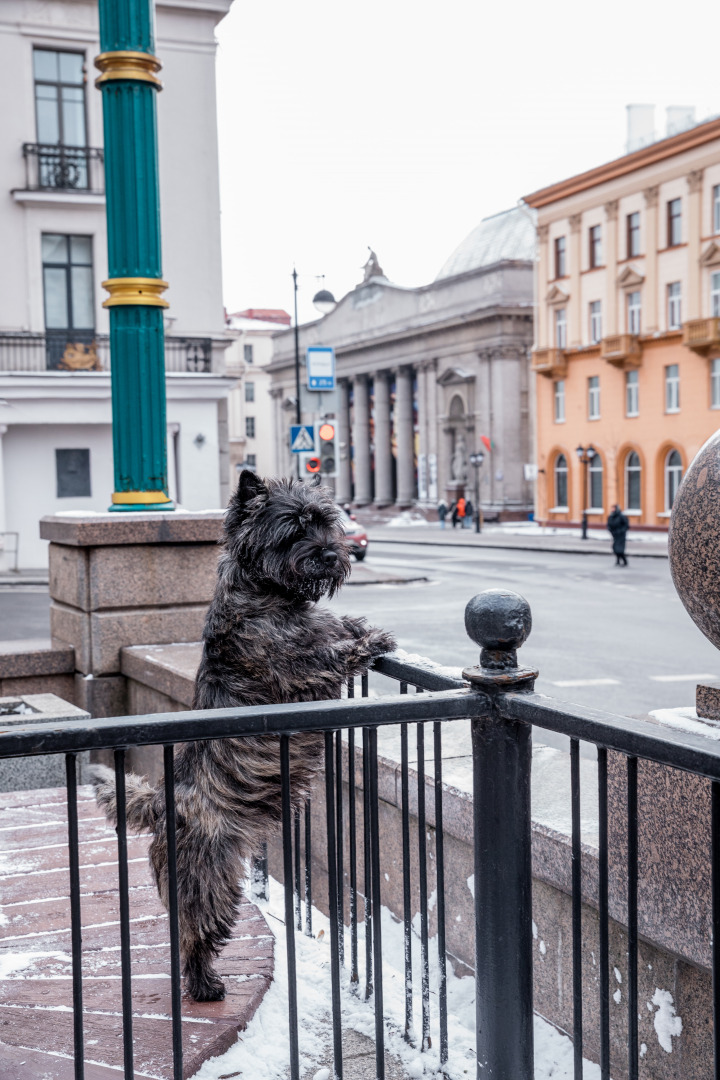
312	465
328	450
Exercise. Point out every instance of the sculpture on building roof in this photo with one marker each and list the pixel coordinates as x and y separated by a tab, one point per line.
372	267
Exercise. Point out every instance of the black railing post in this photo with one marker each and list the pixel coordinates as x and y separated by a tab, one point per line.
500	621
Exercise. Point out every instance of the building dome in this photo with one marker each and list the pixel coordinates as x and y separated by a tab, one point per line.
509	235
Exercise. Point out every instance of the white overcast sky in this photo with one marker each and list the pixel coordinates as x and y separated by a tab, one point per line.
401	123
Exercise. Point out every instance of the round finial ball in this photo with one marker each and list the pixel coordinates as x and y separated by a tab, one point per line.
498	619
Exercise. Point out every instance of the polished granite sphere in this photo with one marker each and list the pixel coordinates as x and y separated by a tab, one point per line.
694	541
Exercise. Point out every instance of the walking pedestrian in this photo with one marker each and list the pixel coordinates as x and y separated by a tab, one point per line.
468	514
618	526
454	514
461	511
442	509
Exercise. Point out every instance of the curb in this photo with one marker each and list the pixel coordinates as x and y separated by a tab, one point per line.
478	546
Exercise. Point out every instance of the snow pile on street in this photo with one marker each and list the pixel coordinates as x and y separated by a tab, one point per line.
405	518
686	719
262	1052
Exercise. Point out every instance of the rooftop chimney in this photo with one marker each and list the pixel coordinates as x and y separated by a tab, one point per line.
679	118
640	126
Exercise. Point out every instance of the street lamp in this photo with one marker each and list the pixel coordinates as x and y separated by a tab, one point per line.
585	456
476	461
324	302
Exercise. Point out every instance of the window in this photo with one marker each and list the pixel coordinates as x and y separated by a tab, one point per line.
561	482
595	246
560	401
633	312
631	393
672	388
250	427
560	261
560	328
594	397
249	391
674	306
68	282
632	481
715	295
59	98
72	469
716	208
715	383
251	460
673	476
595	322
596	484
633	234
674	222
248	354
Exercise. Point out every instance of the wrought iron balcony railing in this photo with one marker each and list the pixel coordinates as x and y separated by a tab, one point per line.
63	168
84	350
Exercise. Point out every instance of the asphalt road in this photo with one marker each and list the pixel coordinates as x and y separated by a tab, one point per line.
613	638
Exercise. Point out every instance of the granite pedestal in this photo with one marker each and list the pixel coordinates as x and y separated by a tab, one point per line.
42	770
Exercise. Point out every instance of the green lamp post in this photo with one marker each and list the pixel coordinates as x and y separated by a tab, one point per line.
129	82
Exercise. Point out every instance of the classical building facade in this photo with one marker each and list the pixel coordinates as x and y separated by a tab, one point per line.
627	352
427	376
55	407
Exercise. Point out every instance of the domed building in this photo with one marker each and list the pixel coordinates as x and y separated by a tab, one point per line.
426	377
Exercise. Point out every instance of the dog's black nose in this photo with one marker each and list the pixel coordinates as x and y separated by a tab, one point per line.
329	557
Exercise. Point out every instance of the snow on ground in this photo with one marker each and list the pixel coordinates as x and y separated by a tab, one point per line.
409	518
262	1051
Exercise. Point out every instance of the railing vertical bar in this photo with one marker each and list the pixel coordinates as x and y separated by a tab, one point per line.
125	955
308	868
364	684
298	877
75	914
603	914
289	905
332	906
715	877
366	853
576	909
422	857
352	829
440	862
407	898
340	854
170	837
377	910
351	686
632	834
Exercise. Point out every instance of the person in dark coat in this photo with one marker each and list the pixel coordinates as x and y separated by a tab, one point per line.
618	526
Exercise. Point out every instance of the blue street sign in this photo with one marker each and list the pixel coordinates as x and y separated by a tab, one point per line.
302	438
321	367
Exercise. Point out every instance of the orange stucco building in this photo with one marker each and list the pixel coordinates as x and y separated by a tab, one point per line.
627	340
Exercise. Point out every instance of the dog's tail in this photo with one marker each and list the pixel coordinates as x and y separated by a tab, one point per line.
140	798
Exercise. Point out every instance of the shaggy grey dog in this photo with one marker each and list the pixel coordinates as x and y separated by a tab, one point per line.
265	641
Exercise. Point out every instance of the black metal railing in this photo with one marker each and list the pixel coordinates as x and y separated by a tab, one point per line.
85	350
498	698
63	168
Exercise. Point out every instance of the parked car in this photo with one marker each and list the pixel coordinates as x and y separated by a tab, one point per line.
356	535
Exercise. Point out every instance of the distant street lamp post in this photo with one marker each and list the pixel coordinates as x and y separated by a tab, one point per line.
476	461
585	456
324	302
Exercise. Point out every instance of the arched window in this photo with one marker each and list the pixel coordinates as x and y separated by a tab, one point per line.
673	476
561	482
596	483
632	481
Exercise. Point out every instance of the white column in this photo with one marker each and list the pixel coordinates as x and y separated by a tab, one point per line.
431	391
649	316
610	314
361	440
343	480
383	452
542	331
574	324
694	301
405	436
4	562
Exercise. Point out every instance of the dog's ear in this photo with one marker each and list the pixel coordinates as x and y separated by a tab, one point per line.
249	485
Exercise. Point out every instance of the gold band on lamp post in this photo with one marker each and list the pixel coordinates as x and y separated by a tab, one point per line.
135	290
131	497
126	64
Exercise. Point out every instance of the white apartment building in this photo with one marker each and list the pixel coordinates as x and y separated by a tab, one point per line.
250	405
55	411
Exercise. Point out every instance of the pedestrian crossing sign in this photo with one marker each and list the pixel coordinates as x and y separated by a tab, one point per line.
302	438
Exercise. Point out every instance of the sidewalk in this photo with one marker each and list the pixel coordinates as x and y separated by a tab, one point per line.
516	536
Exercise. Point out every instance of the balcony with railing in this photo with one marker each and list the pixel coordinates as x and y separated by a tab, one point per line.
59	168
84	350
550	362
622	351
701	335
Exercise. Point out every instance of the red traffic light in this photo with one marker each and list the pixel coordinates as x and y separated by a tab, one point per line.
312	465
326	432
